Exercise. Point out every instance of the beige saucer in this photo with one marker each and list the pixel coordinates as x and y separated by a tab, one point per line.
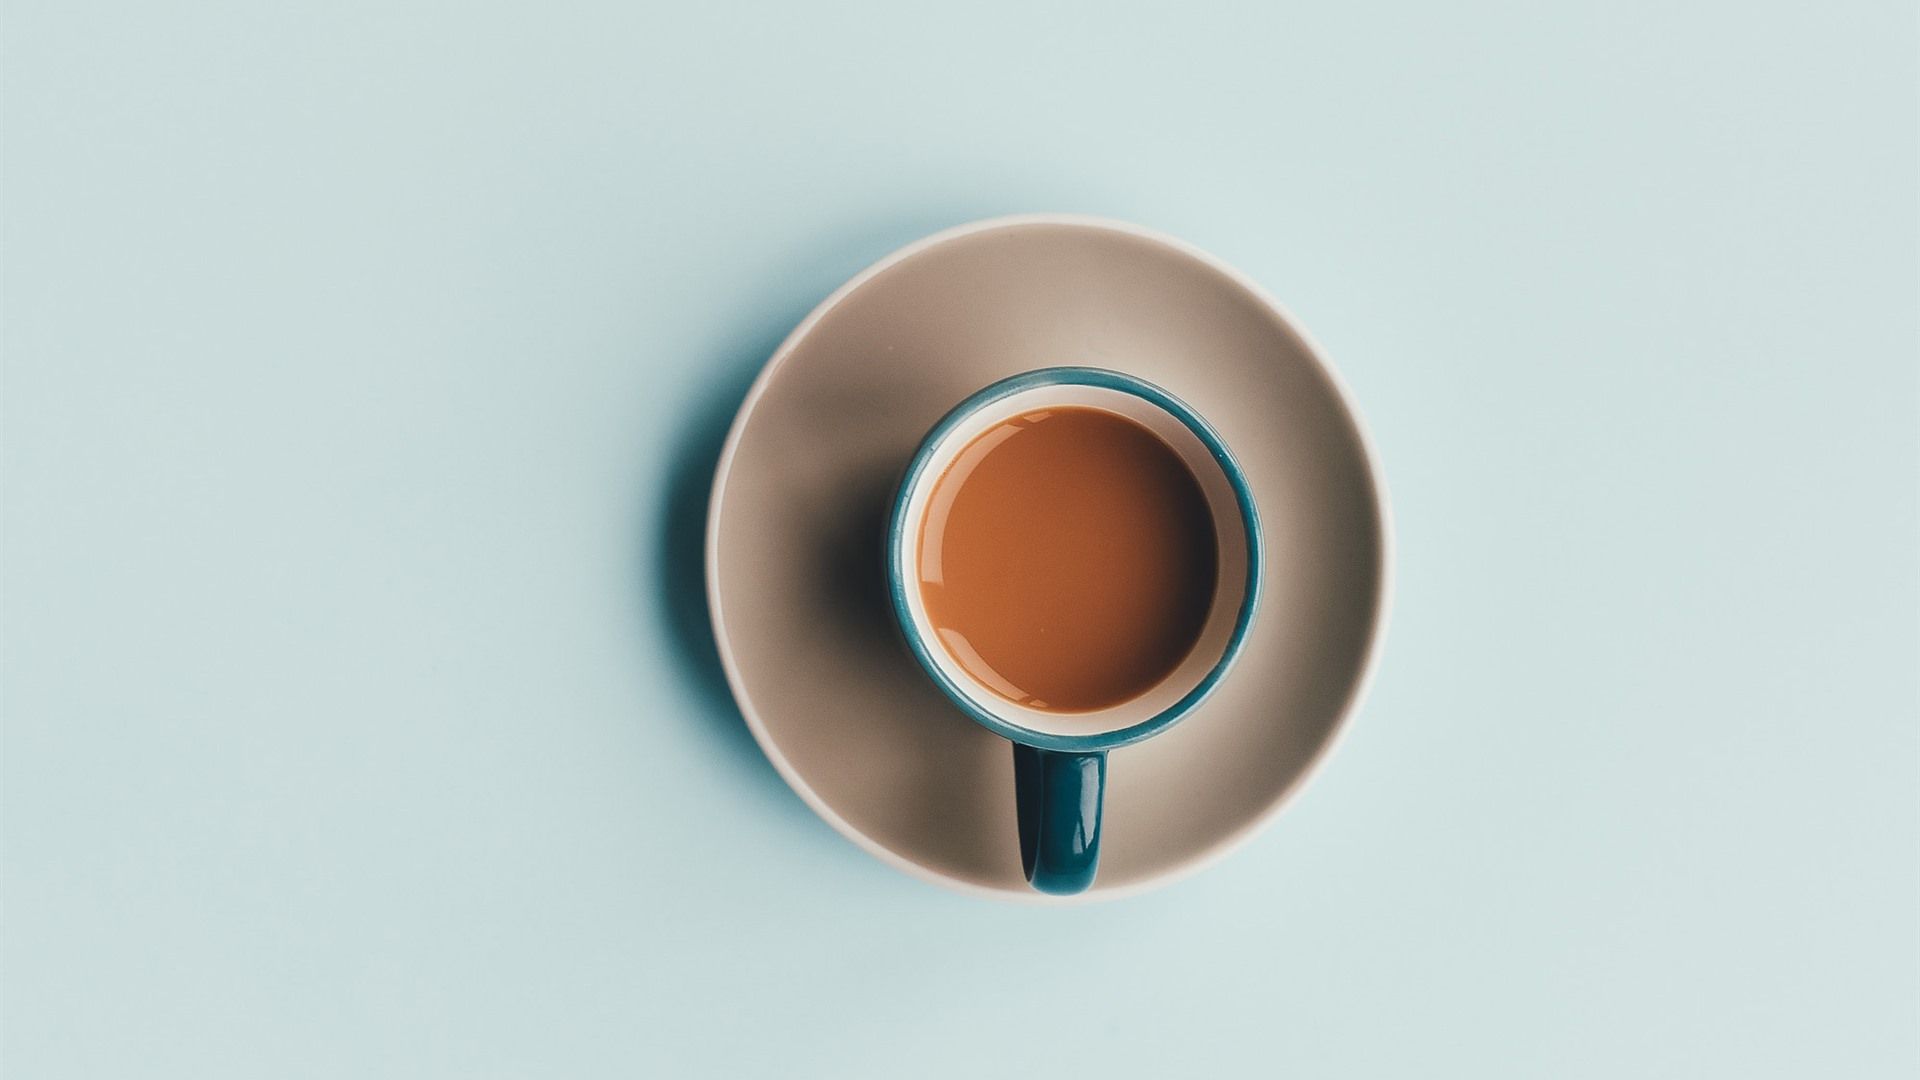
795	576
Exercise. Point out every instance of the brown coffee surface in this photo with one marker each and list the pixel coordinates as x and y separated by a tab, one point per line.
1068	559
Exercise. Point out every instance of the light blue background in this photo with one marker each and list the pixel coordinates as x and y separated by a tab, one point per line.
365	361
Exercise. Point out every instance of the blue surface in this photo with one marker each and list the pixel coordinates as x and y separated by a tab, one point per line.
365	362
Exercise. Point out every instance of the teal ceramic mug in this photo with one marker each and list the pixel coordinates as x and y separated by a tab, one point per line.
1060	759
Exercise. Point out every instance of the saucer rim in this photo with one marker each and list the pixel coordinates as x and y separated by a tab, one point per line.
1200	858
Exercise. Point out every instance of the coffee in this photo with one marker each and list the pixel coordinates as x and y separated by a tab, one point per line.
1068	559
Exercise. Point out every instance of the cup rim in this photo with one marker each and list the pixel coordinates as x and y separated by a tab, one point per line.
898	546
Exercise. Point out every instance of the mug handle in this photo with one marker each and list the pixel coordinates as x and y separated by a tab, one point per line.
1058	795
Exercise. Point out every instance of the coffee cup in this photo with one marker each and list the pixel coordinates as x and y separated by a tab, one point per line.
1074	558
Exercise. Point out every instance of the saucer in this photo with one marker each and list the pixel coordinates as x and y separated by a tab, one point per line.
795	575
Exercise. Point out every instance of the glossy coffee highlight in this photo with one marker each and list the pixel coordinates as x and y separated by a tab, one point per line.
1068	559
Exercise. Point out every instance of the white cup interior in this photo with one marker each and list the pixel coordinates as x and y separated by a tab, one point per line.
921	551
